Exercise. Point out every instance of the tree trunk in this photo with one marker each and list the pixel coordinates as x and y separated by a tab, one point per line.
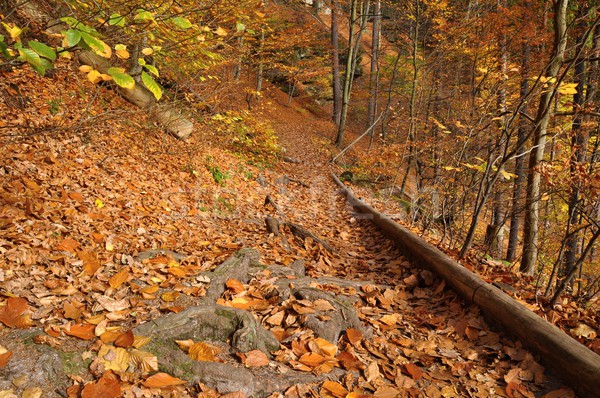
348	75
530	241
335	55
517	195
374	73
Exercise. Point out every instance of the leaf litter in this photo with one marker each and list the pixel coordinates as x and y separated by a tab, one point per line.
79	208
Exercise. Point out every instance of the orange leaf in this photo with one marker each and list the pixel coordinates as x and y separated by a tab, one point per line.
82	331
90	262
161	380
98	238
170	296
256	358
203	352
125	340
107	387
67	245
119	278
354	336
311	359
76	196
336	389
235	286
4	358
10	314
414	371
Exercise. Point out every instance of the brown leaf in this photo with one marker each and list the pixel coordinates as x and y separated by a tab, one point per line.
235	286
414	371
11	313
354	336
372	372
170	296
119	278
235	394
82	331
336	389
162	380
349	361
76	196
107	387
90	262
255	359
67	245
125	339
72	311
4	358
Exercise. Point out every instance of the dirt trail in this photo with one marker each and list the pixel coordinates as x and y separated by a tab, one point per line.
427	341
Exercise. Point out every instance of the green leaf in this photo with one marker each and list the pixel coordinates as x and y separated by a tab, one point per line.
143	16
95	44
117	20
43	50
43	67
121	78
152	69
73	37
141	61
152	85
183	23
30	56
240	27
4	48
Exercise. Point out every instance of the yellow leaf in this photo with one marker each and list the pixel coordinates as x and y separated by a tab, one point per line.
170	296
14	31
94	76
147	51
85	68
114	358
140	341
203	352
99	203
144	361
221	32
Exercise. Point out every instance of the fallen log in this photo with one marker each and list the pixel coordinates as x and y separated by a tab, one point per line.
578	366
167	116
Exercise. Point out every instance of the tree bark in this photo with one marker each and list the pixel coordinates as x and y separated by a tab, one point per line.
374	72
348	75
335	55
531	227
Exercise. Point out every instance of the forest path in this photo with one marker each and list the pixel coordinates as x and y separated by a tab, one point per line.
427	341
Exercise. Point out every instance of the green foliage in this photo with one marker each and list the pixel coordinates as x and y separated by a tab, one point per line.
55	106
218	175
121	78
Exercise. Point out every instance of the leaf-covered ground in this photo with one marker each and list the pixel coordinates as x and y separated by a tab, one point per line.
106	223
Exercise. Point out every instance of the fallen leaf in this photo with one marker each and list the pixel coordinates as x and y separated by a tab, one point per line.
112	305
90	262
114	358
255	359
119	278
235	286
145	361
414	371
336	389
125	339
311	359
170	296
11	313
354	336
68	245
107	387
372	372
203	352
82	331
34	392
161	380
4	357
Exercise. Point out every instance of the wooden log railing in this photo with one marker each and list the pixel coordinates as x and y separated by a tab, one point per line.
578	366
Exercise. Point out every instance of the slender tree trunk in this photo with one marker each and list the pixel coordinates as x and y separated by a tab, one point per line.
348	75
579	140
517	195
531	227
335	53
374	72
